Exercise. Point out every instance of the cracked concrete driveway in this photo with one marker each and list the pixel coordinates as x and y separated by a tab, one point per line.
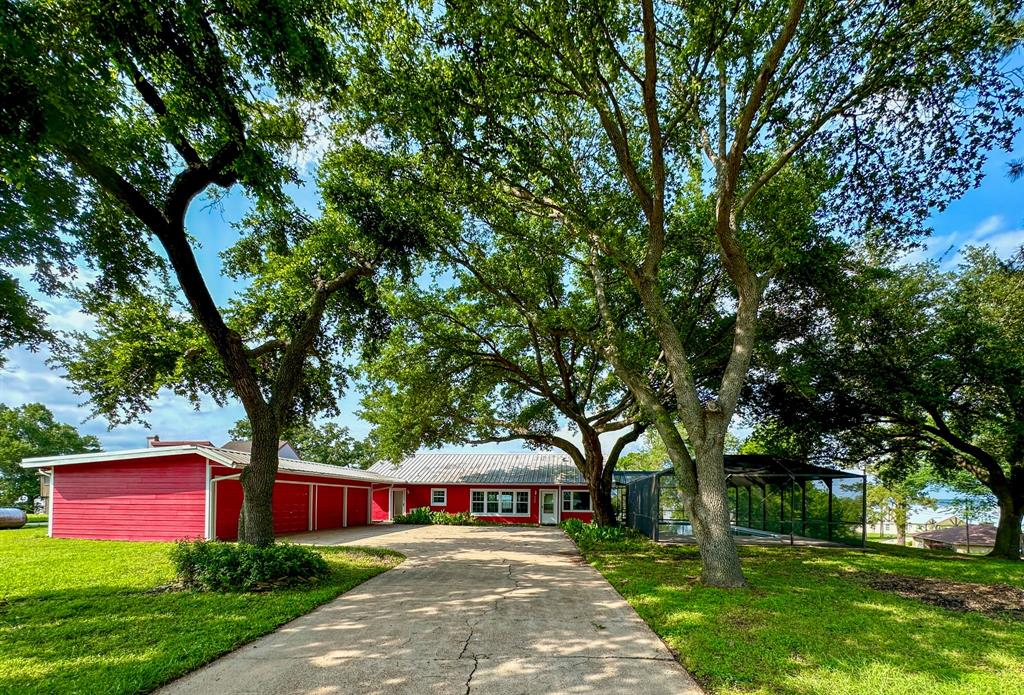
498	610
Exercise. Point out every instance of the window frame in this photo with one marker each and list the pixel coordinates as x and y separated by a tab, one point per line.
567	497
492	500
444	492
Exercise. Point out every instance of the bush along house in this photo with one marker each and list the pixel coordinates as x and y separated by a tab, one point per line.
191	490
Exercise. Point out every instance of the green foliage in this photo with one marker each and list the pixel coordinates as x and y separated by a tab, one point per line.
419	515
28	431
811	626
423	515
218	566
591	533
905	364
104	622
327	443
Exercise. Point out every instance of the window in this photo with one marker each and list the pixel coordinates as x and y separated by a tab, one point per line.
499	502
575	501
438	497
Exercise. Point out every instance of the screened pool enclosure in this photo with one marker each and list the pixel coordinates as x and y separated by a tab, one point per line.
770	498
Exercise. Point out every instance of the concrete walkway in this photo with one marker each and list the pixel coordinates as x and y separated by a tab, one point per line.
473	610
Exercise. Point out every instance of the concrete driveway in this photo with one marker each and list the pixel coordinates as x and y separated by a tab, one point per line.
473	610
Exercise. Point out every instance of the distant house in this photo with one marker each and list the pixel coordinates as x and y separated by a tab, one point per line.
284	449
981	539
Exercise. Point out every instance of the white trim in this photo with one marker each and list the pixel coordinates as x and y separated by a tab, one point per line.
312	506
443	503
344	508
405	501
540	505
208	506
499	490
590	508
53	496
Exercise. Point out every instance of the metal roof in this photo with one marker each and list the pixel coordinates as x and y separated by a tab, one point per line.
484	469
227	457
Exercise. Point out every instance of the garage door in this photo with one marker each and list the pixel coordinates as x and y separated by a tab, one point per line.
357	505
329	506
291	507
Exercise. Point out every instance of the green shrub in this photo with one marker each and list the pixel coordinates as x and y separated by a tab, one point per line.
423	515
449	519
420	515
581	532
218	566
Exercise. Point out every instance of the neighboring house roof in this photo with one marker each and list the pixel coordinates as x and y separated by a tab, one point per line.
981	534
246	445
484	469
181	442
226	457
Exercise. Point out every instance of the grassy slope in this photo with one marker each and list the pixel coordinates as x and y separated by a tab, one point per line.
807	625
75	616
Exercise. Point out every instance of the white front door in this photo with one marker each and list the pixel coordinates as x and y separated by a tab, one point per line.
548	508
397	503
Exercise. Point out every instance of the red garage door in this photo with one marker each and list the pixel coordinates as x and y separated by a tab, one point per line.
291	507
329	506
357	506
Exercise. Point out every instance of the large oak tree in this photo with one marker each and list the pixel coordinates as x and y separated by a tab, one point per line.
117	117
608	117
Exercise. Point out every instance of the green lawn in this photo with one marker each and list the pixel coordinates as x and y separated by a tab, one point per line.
809	624
75	616
37	518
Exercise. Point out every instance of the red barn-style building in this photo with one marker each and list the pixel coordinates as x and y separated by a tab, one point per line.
192	491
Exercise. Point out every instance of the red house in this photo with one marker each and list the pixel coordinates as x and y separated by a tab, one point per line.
192	491
509	488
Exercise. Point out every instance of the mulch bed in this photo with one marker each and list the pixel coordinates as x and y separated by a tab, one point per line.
993	599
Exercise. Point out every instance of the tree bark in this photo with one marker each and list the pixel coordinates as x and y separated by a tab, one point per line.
711	524
1008	531
900	511
256	522
601	499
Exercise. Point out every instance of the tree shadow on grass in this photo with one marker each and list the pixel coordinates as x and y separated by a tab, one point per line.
106	639
807	625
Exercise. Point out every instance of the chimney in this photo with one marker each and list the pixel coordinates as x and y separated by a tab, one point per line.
151	440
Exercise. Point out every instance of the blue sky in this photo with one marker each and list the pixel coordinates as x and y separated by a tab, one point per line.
991	214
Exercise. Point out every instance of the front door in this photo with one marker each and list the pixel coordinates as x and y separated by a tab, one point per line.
548	510
397	503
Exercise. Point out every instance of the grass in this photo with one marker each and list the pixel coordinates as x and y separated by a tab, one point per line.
809	624
37	518
76	616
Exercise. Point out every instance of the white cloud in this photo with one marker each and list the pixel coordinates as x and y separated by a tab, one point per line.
947	249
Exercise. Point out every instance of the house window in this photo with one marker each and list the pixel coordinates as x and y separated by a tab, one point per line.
575	501
500	502
438	497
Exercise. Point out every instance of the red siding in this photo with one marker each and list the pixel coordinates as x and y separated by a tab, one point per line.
381	503
357	506
158	499
329	507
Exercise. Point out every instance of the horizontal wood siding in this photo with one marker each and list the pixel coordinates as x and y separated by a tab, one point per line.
157	499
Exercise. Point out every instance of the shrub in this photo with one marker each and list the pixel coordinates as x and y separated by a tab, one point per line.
218	566
420	515
423	515
449	519
581	532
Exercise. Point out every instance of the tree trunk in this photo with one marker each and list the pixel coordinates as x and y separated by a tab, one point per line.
601	502
900	512
256	523
720	562
1011	512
